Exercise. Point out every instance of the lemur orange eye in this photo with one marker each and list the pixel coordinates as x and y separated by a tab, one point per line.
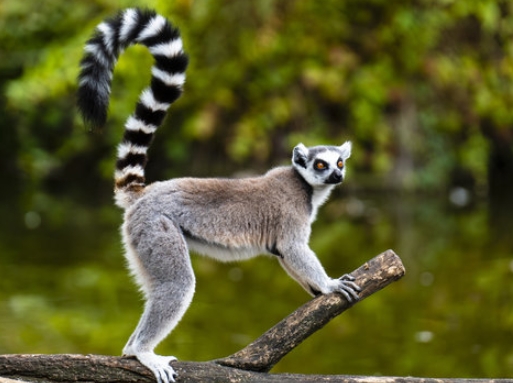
320	165
340	164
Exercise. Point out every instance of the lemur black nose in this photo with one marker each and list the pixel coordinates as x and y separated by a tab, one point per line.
335	177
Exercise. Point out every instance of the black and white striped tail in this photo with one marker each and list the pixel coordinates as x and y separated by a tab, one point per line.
132	26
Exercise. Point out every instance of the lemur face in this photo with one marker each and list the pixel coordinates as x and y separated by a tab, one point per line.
321	165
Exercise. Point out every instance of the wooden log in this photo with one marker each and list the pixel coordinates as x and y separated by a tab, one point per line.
110	369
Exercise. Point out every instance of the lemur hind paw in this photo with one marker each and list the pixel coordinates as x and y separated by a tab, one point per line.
159	365
348	288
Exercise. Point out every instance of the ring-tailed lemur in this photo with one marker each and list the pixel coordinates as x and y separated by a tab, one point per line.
228	219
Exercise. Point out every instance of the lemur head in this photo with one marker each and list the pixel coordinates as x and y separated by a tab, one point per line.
321	165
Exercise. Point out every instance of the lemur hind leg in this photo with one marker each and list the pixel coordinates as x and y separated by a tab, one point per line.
158	255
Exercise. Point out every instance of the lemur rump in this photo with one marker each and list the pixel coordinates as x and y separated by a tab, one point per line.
227	219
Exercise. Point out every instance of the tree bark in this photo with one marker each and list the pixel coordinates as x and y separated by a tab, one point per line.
247	365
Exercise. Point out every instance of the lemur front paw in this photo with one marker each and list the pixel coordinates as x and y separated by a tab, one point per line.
159	365
347	287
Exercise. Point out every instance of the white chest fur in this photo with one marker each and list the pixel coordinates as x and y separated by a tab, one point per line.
319	197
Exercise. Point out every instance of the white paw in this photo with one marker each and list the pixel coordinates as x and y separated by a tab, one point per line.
159	365
346	287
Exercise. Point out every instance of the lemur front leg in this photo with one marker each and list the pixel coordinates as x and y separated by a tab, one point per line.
302	264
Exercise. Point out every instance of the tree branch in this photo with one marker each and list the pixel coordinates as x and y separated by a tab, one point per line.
272	346
110	369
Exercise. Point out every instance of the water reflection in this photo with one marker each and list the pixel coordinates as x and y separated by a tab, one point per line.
64	290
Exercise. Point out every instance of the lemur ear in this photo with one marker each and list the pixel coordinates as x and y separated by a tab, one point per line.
345	148
300	155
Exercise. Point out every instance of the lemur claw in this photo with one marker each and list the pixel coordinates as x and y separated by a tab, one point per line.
159	365
347	277
348	288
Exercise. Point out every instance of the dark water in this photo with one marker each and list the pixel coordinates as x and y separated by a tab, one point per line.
64	289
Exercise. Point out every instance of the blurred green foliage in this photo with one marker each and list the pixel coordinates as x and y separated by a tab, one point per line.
423	88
